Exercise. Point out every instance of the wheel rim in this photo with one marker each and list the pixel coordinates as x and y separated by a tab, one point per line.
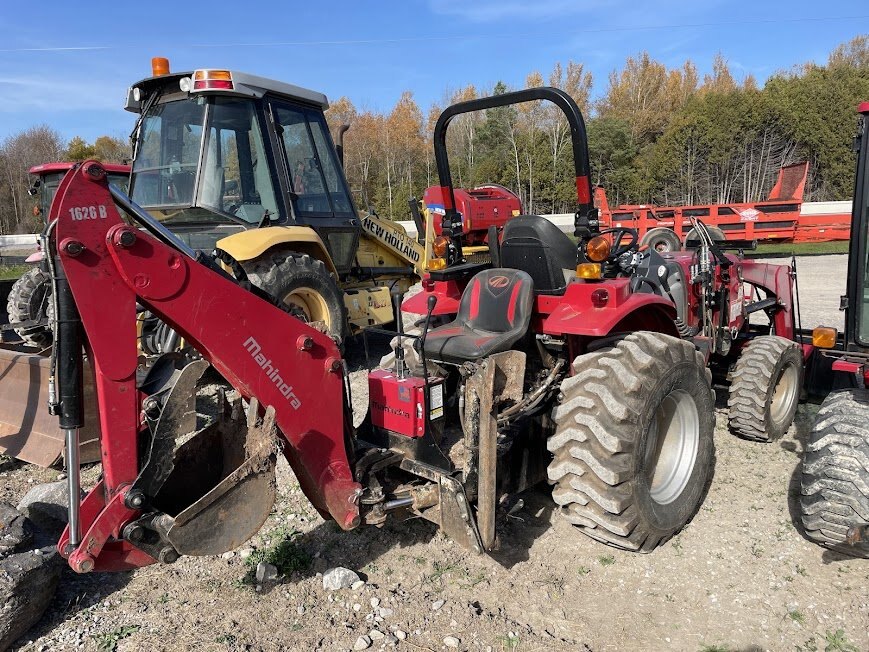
663	245
674	437
784	394
309	303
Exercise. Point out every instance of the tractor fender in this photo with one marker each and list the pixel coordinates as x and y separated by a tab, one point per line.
577	311
247	245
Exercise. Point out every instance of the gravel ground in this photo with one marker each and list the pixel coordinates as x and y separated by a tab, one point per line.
741	576
821	282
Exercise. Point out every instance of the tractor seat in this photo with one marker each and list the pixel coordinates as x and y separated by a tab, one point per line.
536	246
494	313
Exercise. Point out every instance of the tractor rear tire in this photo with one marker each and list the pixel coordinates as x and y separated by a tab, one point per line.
30	300
765	388
716	234
661	239
303	286
633	444
835	473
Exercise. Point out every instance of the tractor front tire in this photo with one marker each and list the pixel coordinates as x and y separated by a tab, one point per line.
633	444
835	474
661	239
30	300
765	388
302	286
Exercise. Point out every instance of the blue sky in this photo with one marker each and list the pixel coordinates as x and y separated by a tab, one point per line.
69	64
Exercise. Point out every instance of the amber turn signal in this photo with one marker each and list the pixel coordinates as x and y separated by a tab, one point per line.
824	337
597	249
440	245
437	263
588	271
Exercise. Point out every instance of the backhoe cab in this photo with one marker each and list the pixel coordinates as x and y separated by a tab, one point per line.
247	166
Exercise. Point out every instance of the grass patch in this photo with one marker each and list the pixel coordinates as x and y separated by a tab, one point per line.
286	555
801	248
606	560
108	642
838	642
12	272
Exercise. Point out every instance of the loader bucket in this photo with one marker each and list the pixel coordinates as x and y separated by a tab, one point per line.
27	431
222	486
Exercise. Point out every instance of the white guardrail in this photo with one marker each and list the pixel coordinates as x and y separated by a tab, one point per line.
563	221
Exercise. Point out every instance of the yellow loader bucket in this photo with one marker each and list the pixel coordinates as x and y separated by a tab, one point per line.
27	431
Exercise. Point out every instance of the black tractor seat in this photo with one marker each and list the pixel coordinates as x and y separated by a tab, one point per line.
494	314
536	246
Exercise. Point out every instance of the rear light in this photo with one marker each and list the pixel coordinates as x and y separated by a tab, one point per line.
589	271
440	245
597	249
824	337
599	298
204	80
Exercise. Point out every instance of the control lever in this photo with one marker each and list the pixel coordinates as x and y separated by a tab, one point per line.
400	366
432	302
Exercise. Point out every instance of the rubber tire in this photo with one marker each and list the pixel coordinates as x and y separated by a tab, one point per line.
601	431
663	236
280	273
835	473
753	382
716	233
30	299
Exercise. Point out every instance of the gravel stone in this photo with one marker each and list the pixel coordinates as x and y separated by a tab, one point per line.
362	643
437	604
451	641
338	578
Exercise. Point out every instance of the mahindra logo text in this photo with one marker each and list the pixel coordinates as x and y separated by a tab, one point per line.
273	374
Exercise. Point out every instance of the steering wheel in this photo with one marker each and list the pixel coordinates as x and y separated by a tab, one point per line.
618	233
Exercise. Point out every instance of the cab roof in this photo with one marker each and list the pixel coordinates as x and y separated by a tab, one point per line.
48	168
243	84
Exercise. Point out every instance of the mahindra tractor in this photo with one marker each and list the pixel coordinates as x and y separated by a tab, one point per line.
247	166
29	300
834	500
586	365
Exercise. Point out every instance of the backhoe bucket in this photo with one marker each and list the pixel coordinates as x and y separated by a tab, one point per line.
27	431
222	485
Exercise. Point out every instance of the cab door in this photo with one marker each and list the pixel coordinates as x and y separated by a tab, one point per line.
315	181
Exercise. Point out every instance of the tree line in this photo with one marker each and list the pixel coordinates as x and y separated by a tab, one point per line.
656	135
42	144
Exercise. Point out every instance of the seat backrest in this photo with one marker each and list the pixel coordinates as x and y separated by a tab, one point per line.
497	300
536	246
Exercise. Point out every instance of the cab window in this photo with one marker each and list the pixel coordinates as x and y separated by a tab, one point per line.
316	184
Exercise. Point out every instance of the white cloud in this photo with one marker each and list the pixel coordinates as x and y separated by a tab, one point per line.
19	94
492	10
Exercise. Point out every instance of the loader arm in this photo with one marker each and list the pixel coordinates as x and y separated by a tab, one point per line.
262	351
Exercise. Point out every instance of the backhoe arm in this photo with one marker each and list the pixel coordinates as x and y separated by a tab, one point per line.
260	350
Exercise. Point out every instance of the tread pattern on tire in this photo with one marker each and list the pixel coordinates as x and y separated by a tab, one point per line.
593	445
750	385
20	308
267	273
835	472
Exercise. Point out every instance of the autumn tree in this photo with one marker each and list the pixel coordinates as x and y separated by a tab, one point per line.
18	154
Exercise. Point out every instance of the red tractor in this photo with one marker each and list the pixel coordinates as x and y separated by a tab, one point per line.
589	365
834	501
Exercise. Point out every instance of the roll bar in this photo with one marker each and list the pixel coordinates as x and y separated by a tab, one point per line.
585	220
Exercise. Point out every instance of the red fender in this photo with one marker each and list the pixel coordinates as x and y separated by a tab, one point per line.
577	312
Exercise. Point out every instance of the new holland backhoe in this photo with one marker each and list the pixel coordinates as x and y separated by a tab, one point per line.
246	166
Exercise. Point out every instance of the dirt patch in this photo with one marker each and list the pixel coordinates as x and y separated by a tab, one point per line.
740	576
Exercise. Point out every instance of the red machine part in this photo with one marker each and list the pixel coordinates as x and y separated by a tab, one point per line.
778	217
480	207
399	404
244	337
